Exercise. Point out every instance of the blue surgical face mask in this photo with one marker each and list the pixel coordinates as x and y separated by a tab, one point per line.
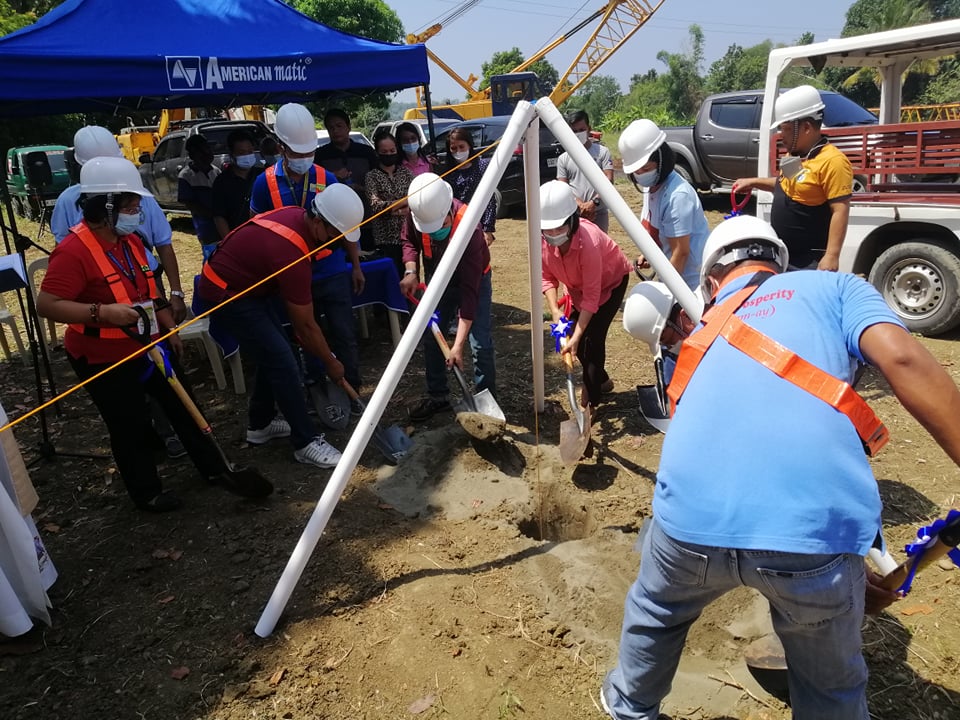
127	224
410	148
245	162
441	234
300	166
646	179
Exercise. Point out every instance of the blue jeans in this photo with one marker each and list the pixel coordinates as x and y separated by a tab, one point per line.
481	343
257	324
816	602
333	299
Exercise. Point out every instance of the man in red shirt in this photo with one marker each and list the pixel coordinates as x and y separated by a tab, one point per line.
281	241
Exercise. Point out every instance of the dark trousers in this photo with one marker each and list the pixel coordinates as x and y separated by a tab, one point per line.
333	306
592	350
121	397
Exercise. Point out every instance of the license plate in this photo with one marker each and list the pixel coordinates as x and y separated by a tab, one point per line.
551	162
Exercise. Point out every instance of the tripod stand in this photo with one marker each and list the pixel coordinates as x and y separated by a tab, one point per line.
31	320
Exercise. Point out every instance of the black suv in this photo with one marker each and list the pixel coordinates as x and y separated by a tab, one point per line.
487	131
160	172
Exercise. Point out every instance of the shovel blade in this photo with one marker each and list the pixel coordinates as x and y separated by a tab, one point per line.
332	405
573	440
652	408
392	442
486	404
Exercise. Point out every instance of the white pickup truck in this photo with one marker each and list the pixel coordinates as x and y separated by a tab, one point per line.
904	231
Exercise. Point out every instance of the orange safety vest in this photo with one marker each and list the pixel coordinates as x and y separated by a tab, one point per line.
274	186
113	278
458	216
263	220
721	321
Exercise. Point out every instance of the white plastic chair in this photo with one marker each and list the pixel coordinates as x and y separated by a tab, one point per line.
49	336
200	330
7	318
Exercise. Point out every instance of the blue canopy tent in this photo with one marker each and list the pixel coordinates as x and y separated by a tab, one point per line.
104	55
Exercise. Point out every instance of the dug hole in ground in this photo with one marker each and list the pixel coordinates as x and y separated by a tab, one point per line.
471	581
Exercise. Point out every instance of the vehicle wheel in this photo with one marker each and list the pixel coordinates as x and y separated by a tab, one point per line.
18	206
503	210
859	183
684	172
29	212
920	281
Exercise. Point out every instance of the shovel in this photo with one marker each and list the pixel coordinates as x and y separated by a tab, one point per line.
246	482
332	404
653	399
574	433
391	441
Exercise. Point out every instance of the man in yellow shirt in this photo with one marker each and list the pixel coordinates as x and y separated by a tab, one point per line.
811	196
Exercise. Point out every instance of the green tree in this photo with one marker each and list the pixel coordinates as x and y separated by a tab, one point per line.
368	18
739	68
506	60
683	82
597	96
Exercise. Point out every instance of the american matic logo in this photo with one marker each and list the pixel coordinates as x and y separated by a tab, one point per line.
186	72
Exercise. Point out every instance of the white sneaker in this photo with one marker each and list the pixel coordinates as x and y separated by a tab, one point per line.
278	428
319	452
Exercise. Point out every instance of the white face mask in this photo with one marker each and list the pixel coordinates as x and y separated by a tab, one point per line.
300	166
646	179
555	240
790	166
582	136
245	162
461	156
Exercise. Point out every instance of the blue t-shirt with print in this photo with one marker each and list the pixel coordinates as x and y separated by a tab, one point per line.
675	211
752	461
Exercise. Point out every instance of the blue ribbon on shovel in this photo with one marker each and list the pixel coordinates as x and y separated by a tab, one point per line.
926	537
561	329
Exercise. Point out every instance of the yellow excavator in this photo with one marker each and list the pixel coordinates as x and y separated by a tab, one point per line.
135	140
619	20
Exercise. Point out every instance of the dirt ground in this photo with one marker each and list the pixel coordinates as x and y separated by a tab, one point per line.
470	581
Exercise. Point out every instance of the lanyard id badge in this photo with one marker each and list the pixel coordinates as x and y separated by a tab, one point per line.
151	315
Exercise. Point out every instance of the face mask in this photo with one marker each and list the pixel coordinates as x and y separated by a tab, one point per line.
410	148
646	179
387	160
582	136
790	166
127	224
300	166
555	240
461	156
245	162
441	234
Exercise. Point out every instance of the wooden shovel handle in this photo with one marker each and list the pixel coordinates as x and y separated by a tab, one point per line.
348	389
441	340
157	357
896	577
567	357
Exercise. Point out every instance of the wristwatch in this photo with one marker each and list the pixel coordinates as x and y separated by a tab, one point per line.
408	271
177	293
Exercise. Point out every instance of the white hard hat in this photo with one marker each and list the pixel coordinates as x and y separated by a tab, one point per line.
296	128
103	175
730	242
638	142
341	207
430	200
800	102
92	141
557	203
646	311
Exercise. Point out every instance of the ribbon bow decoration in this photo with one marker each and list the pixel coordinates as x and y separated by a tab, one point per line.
944	529
561	329
736	207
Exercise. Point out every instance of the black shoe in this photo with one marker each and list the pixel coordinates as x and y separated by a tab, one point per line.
164	502
427	408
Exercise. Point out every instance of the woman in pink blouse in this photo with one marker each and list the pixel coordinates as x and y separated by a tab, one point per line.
414	158
594	270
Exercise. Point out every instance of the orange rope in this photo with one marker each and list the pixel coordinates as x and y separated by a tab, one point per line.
204	314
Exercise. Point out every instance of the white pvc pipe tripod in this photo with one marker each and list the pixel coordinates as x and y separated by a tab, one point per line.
531	176
391	375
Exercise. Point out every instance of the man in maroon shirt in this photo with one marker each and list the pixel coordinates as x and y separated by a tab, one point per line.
281	241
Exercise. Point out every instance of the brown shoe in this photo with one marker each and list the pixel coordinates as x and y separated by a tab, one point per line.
607	387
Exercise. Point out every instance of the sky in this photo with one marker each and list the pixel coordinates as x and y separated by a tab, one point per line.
494	25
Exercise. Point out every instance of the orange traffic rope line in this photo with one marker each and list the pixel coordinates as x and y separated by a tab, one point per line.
176	330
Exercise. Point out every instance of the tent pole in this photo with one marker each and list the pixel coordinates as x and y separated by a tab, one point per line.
428	103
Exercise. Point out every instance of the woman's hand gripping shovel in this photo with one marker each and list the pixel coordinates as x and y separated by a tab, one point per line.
574	433
243	481
479	414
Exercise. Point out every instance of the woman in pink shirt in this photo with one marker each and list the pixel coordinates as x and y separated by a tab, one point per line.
594	270
414	158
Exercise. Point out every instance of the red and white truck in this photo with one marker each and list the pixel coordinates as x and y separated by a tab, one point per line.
904	230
